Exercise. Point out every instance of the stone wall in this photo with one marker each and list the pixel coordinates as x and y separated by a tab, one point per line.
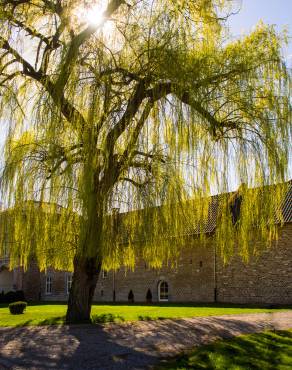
59	286
6	279
266	279
31	283
191	280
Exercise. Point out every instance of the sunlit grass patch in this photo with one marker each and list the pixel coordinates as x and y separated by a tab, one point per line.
263	351
54	313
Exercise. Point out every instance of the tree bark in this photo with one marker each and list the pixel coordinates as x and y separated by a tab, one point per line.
88	259
85	276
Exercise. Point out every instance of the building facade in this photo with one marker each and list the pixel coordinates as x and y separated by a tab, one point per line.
199	276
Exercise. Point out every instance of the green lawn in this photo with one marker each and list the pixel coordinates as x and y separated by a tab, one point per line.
47	314
263	351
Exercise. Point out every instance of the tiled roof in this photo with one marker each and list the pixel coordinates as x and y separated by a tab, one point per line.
286	209
211	222
287	205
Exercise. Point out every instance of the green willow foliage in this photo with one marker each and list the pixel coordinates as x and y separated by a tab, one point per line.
147	112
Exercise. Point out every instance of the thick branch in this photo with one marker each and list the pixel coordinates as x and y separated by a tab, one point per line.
124	72
27	67
10	77
136	183
79	40
53	6
15	3
147	166
133	139
157	157
68	110
131	110
53	45
77	158
163	89
214	123
31	31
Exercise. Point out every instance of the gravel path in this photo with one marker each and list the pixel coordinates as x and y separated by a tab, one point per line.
122	346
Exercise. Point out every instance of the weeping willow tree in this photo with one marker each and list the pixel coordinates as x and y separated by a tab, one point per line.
146	107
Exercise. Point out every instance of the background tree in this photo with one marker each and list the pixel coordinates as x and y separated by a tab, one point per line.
131	105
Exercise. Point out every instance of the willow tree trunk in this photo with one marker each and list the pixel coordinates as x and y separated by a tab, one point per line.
87	263
85	276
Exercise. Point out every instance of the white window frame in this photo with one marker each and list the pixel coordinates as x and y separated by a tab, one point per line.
159	291
49	284
68	282
104	274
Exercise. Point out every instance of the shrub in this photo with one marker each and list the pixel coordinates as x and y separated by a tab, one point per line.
17	308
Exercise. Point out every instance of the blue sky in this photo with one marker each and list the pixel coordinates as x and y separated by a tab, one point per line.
276	12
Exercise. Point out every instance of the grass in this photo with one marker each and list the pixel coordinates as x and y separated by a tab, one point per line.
264	351
50	314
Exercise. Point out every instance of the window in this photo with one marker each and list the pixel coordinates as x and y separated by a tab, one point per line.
68	283
163	291
48	284
104	274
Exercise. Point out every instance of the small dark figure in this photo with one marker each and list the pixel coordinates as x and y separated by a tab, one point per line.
235	209
131	296
149	296
235	203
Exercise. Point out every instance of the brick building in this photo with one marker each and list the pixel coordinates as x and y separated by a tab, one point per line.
200	276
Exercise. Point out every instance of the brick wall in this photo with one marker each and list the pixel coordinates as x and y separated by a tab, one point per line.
31	283
59	286
266	279
191	280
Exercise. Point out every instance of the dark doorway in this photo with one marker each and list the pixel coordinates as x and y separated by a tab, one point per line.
131	296
149	296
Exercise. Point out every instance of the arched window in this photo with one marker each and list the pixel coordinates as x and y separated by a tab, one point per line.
163	291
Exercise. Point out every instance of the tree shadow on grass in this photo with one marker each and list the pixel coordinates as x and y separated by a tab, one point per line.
146	318
55	320
263	351
106	317
62	347
128	346
151	318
